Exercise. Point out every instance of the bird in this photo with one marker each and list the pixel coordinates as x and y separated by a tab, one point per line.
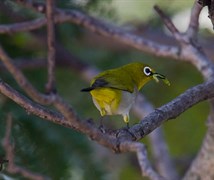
114	91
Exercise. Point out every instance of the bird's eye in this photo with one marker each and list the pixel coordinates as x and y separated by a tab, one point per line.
147	71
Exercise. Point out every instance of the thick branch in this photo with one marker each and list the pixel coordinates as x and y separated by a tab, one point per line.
153	120
89	77
73	121
141	108
32	107
174	108
108	30
166	167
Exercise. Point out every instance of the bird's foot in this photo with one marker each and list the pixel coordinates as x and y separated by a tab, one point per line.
127	125
102	128
125	130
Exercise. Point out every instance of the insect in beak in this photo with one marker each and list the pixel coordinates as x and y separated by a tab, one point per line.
157	77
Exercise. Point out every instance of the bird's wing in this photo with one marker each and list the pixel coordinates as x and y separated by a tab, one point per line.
110	79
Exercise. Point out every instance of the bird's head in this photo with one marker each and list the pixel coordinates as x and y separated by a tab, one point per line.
142	73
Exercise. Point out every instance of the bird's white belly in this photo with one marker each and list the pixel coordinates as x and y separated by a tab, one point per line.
127	101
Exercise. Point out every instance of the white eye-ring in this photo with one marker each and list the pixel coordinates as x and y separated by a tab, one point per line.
147	71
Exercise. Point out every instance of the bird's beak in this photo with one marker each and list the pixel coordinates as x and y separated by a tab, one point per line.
157	76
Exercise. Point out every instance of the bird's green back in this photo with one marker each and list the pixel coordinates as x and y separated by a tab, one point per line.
125	78
114	78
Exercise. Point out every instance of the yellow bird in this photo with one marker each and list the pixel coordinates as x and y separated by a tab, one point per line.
114	91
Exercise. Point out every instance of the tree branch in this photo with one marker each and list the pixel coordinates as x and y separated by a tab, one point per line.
50	86
22	81
159	147
174	108
202	92
73	122
202	165
161	155
23	26
141	108
168	23
32	107
186	52
101	28
189	51
9	149
193	23
86	127
149	123
141	152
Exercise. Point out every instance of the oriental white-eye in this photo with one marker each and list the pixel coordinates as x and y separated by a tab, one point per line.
114	91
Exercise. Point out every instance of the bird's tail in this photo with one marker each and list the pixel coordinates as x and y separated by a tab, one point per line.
87	89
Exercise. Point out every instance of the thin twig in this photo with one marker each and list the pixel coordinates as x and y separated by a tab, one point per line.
193	23
40	7
197	57
50	86
9	149
161	155
142	156
23	26
159	147
188	51
167	21
108	30
169	24
22	81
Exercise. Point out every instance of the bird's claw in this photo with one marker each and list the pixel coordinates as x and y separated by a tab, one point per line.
102	128
125	130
